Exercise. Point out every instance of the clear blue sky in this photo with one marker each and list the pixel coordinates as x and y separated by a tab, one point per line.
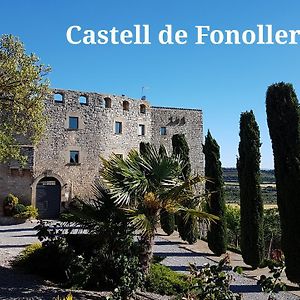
221	80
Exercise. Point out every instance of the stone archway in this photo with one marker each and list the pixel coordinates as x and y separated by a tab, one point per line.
47	195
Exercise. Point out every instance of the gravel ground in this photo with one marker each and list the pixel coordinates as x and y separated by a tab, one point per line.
178	258
17	285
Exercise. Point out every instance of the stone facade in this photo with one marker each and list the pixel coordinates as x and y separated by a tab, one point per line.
95	116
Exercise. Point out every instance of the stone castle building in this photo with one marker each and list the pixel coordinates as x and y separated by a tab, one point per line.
83	126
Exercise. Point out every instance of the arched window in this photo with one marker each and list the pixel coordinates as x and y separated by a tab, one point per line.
107	102
142	109
83	100
58	98
125	105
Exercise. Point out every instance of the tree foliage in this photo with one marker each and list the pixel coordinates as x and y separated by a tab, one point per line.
167	221
248	165
146	184
144	147
187	226
232	215
216	236
283	118
23	88
181	149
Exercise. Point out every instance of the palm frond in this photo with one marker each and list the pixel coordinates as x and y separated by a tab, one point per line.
140	221
124	177
182	191
92	214
190	212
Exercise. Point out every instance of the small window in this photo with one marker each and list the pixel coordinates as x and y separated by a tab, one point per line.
141	129
125	105
73	123
107	102
163	130
74	157
118	128
119	155
142	108
58	98
83	100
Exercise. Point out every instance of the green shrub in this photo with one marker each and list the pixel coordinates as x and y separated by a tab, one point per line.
50	260
232	215
211	282
97	258
9	204
19	208
12	208
66	217
162	280
207	282
272	230
273	284
25	256
11	200
27	212
68	297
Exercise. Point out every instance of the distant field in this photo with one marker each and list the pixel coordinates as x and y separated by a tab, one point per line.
232	190
266	206
230	175
262	185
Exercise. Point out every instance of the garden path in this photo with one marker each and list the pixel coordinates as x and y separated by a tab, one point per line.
15	285
179	254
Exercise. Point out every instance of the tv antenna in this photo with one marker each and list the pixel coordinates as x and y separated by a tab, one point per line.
143	96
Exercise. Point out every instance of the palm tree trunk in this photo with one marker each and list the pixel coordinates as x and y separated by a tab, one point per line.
146	254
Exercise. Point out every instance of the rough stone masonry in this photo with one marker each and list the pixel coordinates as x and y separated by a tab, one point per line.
81	127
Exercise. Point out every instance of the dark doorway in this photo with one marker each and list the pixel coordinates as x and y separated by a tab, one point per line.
48	197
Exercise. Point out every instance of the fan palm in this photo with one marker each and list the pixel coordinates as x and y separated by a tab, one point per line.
144	184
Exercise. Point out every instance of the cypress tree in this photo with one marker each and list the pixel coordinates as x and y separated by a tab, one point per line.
187	229
181	148
248	165
284	126
216	236
144	147
162	151
167	221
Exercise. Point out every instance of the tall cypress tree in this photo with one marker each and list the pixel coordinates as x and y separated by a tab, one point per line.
248	165
162	151
144	147
284	126
188	229
181	148
216	236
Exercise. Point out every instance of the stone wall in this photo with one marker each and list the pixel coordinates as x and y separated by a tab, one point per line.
96	137
16	181
176	120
